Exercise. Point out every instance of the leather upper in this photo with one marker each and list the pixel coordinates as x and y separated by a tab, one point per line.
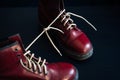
73	39
11	68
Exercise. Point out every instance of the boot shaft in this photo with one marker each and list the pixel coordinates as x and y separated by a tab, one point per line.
48	10
11	51
10	56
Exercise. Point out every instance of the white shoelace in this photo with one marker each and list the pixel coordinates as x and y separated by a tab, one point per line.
63	19
37	67
45	31
67	18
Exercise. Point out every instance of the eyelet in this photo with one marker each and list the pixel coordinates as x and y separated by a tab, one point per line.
16	49
18	55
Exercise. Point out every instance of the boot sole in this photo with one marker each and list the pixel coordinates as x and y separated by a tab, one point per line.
77	74
76	55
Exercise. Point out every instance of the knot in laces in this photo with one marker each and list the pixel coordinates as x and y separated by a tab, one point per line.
33	64
65	19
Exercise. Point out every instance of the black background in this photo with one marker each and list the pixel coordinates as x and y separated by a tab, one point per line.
21	16
67	2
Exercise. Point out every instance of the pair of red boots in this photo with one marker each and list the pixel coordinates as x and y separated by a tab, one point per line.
17	63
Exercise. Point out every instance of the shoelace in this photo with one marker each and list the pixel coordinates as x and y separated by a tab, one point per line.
45	30
67	18
36	66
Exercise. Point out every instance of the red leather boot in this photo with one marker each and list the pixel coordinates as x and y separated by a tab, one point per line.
72	40
18	64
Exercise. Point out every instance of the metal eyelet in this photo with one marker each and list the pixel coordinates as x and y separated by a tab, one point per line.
16	49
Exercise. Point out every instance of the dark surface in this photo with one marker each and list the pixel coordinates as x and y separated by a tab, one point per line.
105	62
67	2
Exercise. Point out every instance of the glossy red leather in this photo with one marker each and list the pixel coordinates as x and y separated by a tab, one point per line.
75	42
12	50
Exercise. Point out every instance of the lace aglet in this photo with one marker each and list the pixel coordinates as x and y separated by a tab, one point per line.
60	53
95	29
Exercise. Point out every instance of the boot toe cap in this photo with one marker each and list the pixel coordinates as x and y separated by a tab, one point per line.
80	48
64	71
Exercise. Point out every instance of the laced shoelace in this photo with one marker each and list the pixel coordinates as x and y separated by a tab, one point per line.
37	66
66	19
